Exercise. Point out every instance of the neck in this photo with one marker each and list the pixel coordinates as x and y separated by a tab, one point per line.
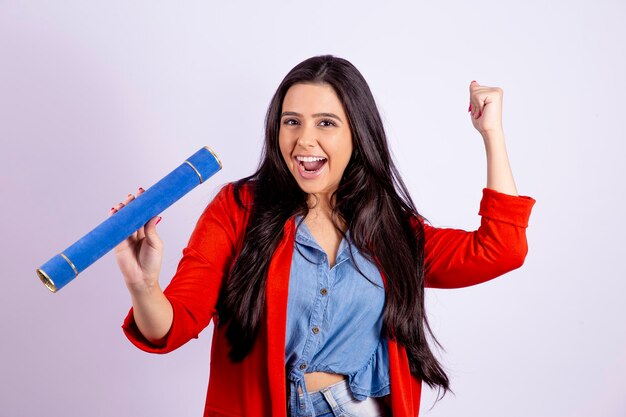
319	204
320	210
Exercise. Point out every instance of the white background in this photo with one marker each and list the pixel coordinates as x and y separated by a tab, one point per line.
98	98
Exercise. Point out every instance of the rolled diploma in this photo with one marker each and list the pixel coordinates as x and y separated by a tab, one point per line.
66	266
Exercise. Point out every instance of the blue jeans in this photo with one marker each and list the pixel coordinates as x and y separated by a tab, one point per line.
337	401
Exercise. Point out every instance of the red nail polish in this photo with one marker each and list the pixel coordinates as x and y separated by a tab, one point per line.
112	208
157	222
470	107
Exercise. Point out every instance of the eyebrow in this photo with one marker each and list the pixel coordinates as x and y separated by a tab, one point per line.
293	113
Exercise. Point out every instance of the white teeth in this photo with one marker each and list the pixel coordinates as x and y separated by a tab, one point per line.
309	158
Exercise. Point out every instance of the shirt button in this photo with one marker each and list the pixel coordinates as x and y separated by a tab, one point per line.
302	366
315	330
323	291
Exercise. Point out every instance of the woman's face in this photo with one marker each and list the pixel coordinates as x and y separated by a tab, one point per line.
314	137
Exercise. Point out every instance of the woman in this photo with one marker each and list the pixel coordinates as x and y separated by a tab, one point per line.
314	267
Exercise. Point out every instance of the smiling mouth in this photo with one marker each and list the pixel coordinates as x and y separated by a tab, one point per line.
312	166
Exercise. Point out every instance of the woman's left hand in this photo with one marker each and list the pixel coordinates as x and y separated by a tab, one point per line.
486	108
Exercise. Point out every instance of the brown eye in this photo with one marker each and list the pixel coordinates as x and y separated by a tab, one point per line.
290	122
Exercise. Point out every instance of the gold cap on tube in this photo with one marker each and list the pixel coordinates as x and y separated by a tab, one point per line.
215	155
47	281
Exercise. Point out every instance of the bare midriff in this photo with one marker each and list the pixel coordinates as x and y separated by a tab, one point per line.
315	381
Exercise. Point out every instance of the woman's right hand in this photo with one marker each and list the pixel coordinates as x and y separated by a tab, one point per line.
139	256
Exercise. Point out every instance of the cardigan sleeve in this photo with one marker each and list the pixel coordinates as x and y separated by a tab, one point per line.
456	258
194	289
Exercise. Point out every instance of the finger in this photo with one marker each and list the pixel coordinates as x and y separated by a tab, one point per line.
477	108
115	208
153	222
149	228
471	104
474	105
131	197
152	237
120	205
141	233
474	108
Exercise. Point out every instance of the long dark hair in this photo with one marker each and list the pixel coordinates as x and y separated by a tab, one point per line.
371	200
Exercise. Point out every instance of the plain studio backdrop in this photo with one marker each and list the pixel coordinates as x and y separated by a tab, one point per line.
99	98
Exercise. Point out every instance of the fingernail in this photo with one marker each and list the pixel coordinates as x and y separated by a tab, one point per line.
470	107
112	208
141	189
157	222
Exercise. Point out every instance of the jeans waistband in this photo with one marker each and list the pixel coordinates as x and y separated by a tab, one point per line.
340	392
337	399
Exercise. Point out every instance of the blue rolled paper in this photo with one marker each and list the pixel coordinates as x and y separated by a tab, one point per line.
66	266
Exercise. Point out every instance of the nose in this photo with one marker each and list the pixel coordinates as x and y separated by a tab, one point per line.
307	138
303	142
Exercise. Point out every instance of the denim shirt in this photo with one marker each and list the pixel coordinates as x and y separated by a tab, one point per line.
334	321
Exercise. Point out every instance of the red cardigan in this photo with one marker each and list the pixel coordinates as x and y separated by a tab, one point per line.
257	385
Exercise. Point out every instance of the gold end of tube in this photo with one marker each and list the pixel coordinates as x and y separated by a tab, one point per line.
215	155
46	280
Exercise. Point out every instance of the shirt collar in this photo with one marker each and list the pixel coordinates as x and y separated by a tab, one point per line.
304	237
